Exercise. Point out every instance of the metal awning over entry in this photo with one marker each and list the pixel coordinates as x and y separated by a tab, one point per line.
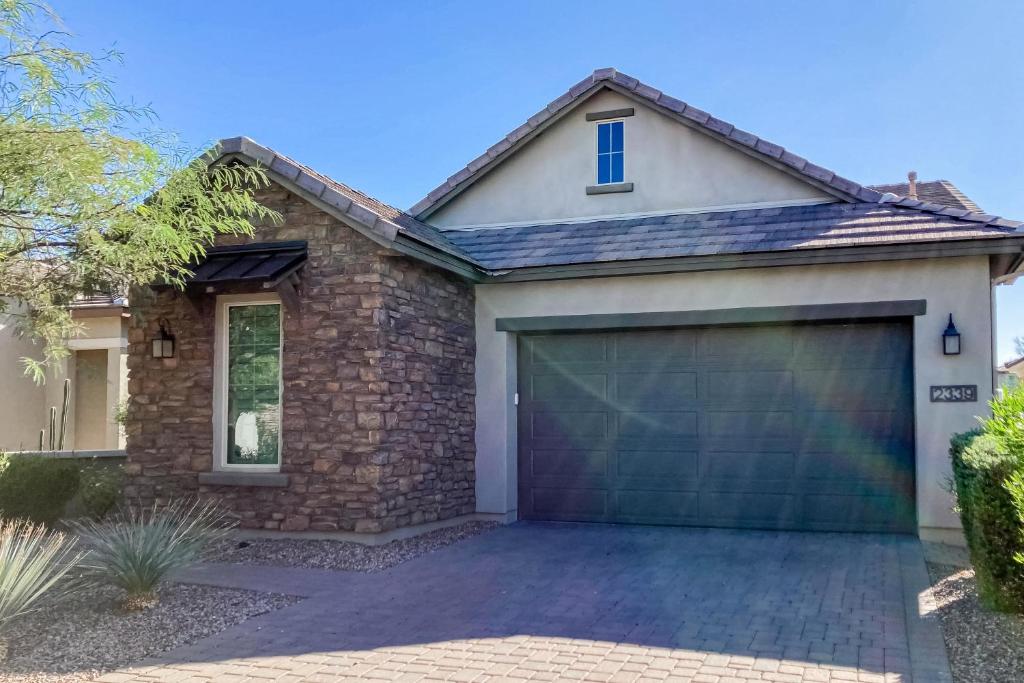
261	263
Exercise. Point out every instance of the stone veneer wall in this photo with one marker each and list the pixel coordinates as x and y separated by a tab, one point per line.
378	404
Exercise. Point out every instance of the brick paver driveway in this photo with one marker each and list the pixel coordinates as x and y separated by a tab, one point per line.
595	603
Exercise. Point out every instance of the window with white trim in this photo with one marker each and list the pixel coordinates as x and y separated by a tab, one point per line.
610	152
249	378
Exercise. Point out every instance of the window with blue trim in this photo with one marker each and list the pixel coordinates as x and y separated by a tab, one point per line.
609	152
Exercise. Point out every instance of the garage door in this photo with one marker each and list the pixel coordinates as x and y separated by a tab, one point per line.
776	427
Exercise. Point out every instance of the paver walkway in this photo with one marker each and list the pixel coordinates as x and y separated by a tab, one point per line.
597	603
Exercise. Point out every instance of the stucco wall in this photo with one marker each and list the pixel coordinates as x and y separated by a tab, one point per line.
22	410
90	399
671	166
959	286
25	406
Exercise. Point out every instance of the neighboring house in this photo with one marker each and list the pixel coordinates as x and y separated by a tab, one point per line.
626	310
97	367
1011	372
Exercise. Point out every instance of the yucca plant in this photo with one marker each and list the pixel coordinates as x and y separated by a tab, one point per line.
33	562
137	548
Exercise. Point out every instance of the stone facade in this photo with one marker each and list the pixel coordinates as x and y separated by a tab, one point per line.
378	402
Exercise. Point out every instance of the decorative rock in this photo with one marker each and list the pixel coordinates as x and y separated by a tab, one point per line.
378	383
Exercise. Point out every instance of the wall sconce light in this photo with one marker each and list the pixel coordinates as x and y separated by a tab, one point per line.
163	344
951	339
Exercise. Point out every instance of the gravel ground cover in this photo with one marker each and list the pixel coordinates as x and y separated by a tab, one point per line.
983	646
82	637
342	555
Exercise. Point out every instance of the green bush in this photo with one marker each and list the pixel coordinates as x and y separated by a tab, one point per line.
100	490
35	487
982	469
137	549
1007	421
33	562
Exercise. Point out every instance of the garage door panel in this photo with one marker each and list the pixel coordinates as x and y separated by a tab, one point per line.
570	427
580	389
862	488
853	346
749	387
672	466
748	509
852	426
780	427
572	464
748	424
658	507
568	504
852	466
850	389
658	390
650	426
668	347
874	512
567	350
760	347
757	465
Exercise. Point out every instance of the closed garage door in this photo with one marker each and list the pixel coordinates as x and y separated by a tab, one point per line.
777	427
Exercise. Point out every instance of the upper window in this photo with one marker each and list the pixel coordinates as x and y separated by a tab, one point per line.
252	385
609	152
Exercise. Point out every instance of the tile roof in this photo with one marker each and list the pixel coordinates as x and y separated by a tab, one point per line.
686	113
1005	367
723	232
869	218
380	218
938	191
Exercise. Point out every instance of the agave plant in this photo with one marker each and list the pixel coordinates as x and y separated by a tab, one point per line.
137	548
33	562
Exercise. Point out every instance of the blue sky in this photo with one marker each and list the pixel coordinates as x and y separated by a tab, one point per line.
394	97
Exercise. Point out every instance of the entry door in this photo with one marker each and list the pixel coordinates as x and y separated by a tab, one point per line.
777	427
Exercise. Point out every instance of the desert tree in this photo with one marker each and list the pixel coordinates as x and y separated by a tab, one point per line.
93	198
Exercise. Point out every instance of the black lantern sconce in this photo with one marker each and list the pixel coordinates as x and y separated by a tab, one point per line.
951	339
163	344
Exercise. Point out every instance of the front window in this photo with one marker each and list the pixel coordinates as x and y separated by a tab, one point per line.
609	152
253	385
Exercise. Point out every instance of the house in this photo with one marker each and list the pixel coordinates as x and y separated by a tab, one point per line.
626	310
97	366
1011	372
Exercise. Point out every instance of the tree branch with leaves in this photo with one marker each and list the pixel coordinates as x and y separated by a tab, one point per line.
91	201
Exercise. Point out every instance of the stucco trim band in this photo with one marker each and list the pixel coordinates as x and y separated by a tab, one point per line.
609	188
610	114
723	316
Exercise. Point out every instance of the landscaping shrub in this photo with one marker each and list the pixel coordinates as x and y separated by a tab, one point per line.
982	469
35	487
1016	488
137	548
100	489
33	562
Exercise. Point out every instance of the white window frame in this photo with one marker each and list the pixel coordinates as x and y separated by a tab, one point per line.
220	380
597	154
